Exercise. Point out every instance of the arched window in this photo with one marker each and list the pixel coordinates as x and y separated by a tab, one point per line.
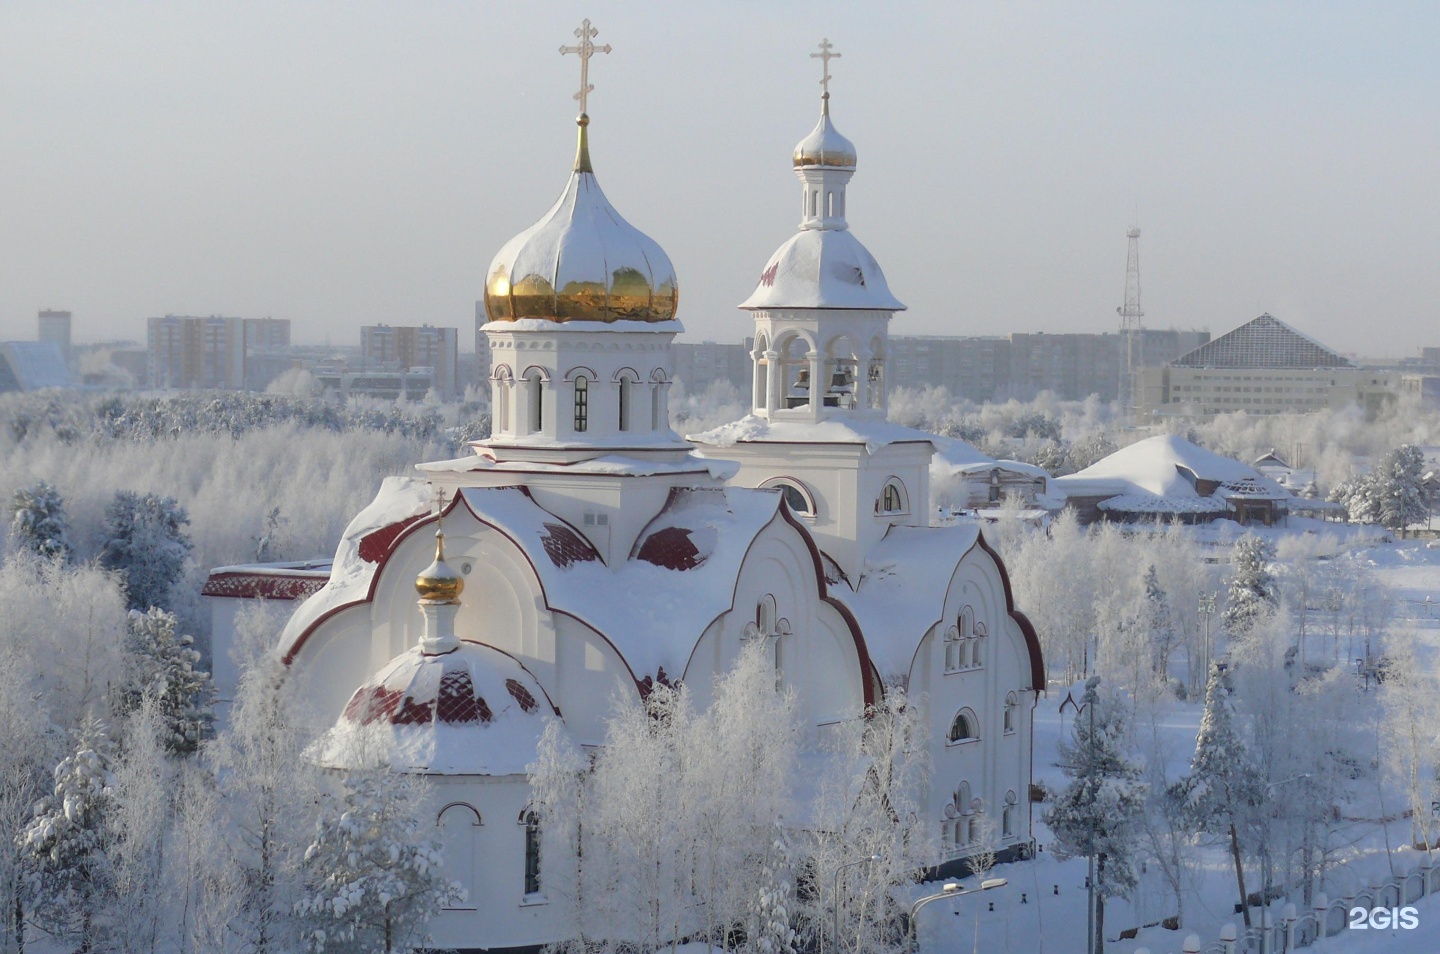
953	646
797	496
1010	705
964	728
1007	817
625	403
892	498
534	387
459	825
582	404
765	614
655	399
503	384
973	831
531	821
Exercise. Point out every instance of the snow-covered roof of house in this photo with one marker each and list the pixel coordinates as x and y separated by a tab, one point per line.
472	711
1158	474
956	456
290	580
35	364
874	434
822	268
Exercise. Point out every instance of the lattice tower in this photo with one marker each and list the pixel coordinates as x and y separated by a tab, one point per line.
1132	338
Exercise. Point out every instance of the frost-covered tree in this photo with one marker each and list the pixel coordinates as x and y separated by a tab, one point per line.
1252	592
1397	483
772	930
164	669
1223	786
866	806
142	811
66	844
1088	450
1098	814
145	543
266	791
38	523
373	873
1159	621
673	843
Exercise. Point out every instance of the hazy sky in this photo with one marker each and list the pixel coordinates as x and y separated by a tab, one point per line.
350	163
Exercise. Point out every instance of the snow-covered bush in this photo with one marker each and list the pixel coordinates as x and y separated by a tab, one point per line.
1098	813
65	845
164	669
1252	593
373	873
146	545
38	523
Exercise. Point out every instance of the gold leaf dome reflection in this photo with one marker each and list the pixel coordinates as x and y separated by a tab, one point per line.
439	581
582	262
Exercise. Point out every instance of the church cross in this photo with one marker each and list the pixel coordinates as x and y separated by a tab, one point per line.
586	49
825	56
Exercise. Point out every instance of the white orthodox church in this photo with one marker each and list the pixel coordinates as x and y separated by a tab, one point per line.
588	546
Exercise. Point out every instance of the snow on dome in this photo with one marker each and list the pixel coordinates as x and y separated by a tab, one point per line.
822	268
472	711
582	262
824	146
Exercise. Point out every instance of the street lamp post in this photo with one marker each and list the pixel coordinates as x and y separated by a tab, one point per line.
1207	609
848	864
951	889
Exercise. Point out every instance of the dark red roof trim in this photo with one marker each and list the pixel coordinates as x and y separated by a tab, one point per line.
375	544
269	586
521	695
564	546
671	548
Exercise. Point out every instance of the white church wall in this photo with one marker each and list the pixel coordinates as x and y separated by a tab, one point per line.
489	860
818	656
996	763
589	674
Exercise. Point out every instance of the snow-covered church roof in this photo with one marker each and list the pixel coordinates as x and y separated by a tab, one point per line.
822	268
472	711
874	434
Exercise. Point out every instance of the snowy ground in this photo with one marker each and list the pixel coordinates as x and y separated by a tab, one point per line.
1042	909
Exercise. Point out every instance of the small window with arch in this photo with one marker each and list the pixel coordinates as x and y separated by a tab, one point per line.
582	404
1007	817
1011	704
963	728
892	498
531	821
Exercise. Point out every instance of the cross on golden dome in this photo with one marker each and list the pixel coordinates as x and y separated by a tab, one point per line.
825	56
586	49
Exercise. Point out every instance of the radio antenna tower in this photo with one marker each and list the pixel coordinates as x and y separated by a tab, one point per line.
1132	341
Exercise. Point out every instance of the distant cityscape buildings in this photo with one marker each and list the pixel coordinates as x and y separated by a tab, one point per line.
1264	367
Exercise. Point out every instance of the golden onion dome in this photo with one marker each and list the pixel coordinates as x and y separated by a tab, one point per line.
824	146
439	581
582	262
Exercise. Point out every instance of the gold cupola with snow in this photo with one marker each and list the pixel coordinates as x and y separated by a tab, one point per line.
580	314
822	307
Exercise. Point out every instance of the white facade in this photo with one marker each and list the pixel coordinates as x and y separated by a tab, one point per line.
601	553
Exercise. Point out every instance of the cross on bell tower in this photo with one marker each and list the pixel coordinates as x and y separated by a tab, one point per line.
586	48
825	56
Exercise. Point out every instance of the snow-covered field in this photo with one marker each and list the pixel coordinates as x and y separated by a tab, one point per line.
1043	909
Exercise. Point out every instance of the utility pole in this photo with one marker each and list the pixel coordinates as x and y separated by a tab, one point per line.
1132	344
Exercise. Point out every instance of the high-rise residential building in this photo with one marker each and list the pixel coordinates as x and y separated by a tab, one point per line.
186	352
402	348
266	334
1264	367
54	328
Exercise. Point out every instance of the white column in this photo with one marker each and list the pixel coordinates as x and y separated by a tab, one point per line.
773	381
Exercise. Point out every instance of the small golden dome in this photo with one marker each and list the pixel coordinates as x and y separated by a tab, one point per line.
824	146
581	262
439	581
